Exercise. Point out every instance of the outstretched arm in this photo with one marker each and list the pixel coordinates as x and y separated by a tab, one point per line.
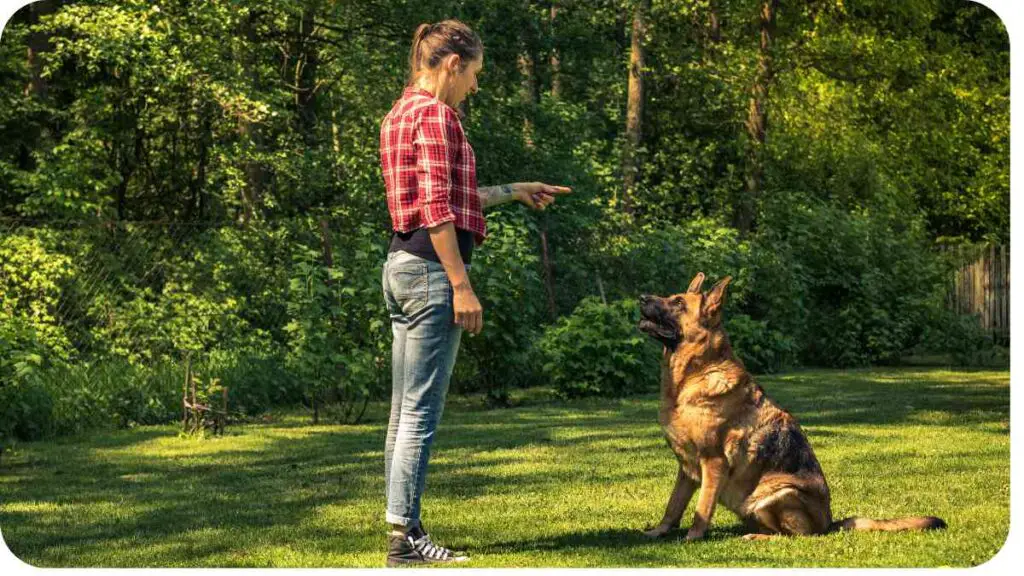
496	195
536	195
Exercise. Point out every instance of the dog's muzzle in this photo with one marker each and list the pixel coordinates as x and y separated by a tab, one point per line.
655	320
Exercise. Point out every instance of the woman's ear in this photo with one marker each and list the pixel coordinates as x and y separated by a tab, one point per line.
453	63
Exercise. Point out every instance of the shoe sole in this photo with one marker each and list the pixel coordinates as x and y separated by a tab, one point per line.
395	563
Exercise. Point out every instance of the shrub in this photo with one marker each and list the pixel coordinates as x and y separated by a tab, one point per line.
598	351
24	404
506	278
25	411
865	282
761	348
31	278
961	337
255	382
336	335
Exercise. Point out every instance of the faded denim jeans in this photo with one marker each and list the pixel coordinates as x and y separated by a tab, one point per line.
426	340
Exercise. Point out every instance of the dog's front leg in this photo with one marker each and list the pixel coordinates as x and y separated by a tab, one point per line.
712	474
677	502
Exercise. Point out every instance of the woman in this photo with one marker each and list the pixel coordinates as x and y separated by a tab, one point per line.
436	213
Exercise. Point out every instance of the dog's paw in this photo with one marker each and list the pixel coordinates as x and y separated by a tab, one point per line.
659	531
692	535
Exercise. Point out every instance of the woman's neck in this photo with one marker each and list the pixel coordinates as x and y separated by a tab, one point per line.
433	86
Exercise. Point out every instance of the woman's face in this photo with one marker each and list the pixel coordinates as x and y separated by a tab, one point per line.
463	81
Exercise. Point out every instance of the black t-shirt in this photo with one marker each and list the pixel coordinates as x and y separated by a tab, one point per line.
418	243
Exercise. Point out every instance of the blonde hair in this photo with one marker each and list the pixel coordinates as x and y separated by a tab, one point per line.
432	43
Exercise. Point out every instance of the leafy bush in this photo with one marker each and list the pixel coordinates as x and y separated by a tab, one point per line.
113	394
24	405
505	275
74	398
598	351
336	334
31	278
761	348
661	258
864	282
961	337
25	409
255	382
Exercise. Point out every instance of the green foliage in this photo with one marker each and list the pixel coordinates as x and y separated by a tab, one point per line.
255	382
23	404
74	398
336	332
961	338
662	257
32	276
505	274
26	411
761	348
111	395
599	351
176	160
867	281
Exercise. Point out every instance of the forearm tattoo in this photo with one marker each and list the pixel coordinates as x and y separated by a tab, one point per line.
495	195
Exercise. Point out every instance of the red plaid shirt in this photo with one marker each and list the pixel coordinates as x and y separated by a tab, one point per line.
429	167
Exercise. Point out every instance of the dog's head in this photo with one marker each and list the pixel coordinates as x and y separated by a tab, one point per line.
686	316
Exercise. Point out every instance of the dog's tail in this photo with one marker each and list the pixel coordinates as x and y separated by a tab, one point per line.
893	525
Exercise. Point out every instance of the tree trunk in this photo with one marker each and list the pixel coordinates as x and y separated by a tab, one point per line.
252	191
549	280
757	122
126	168
714	23
37	42
339	174
197	183
530	95
528	92
554	62
325	247
307	61
328	255
634	106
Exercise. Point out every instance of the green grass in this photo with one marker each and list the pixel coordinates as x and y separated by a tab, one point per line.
543	484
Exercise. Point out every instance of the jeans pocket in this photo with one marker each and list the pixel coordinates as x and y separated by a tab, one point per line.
389	299
440	287
410	287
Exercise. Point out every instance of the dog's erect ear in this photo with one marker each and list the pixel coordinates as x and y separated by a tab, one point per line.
716	297
695	284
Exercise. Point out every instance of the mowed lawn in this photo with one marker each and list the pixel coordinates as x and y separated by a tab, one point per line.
543	484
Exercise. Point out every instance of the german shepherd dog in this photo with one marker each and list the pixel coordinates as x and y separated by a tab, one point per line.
740	447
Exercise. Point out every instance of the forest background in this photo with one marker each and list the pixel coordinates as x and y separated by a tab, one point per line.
196	183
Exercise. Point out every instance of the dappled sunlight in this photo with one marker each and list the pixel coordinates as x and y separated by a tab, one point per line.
576	482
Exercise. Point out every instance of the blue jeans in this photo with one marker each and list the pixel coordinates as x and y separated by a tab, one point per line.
426	340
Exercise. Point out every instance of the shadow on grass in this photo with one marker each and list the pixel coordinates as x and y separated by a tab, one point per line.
610	539
105	490
891	397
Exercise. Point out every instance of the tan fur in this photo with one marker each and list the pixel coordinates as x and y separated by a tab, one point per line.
732	442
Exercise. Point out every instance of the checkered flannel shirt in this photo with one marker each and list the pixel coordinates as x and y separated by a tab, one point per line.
429	167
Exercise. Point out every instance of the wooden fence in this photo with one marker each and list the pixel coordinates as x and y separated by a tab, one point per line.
981	286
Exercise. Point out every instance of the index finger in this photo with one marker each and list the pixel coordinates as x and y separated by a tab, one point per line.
557	189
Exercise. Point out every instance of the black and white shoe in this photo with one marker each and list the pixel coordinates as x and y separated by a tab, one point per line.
415	547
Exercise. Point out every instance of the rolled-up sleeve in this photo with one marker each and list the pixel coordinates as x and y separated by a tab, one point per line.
437	144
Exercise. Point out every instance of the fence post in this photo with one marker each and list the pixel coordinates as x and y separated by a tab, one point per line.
1004	289
184	391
